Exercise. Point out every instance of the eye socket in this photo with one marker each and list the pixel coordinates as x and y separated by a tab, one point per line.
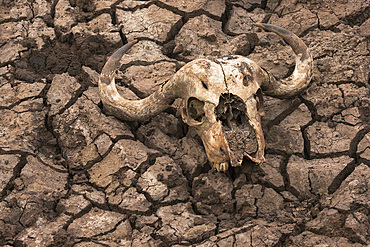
195	110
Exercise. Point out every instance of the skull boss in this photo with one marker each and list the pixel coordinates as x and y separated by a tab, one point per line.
221	99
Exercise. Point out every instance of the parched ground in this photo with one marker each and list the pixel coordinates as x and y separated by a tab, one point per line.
70	175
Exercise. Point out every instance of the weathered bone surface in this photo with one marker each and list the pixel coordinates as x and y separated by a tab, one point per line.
221	99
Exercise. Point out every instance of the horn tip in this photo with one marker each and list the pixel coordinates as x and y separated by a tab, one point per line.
132	42
272	28
258	24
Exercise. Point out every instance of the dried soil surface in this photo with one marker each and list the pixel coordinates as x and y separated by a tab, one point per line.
70	175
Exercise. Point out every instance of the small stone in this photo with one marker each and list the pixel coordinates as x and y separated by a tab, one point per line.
18	184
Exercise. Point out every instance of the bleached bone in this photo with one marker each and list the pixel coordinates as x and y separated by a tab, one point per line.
221	99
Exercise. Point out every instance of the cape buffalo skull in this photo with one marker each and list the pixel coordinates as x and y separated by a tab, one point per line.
221	99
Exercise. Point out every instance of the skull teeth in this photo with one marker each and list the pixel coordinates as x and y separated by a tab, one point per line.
222	166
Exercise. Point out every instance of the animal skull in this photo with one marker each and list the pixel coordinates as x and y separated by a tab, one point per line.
221	99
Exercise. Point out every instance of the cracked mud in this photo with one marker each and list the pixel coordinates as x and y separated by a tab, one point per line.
70	175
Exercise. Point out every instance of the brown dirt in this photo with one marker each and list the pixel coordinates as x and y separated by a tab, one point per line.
72	176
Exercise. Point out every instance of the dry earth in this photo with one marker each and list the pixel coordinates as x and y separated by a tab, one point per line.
72	176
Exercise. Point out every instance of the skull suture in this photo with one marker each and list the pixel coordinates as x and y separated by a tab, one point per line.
221	99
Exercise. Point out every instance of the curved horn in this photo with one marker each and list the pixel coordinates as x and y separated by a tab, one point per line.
301	76
130	110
